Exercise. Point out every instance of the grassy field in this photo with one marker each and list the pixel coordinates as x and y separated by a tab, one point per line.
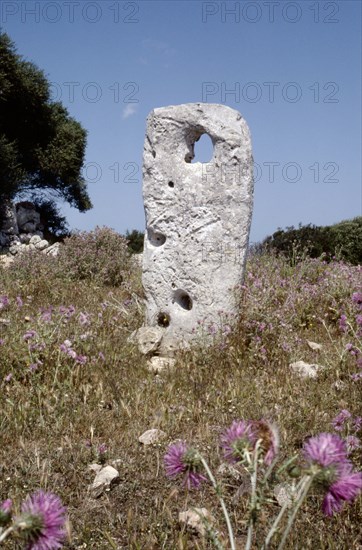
74	391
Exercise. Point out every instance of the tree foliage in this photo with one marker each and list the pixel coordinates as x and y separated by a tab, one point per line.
343	240
135	240
41	146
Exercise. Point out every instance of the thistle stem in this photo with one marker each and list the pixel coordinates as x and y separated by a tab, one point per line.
303	493
7	532
253	479
274	527
222	503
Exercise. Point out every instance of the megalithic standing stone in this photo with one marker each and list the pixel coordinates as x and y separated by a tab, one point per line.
198	218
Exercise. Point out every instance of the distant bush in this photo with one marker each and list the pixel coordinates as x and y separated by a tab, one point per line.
99	256
135	240
342	240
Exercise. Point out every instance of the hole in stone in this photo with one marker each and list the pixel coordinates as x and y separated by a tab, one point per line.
163	319
203	149
156	238
183	299
171	184
154	154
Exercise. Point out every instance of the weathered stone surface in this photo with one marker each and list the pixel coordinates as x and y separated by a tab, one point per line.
151	436
195	519
314	346
42	244
53	250
148	339
306	370
10	224
28	217
197	218
158	364
103	480
35	239
284	494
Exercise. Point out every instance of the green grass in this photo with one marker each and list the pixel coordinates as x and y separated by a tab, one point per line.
50	415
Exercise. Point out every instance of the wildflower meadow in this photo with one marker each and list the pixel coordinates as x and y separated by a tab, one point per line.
274	456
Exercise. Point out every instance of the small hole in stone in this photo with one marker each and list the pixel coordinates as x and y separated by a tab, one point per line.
171	184
156	238
154	154
163	319
183	299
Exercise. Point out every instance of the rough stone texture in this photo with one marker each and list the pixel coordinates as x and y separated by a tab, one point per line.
197	218
28	217
103	480
148	339
306	370
158	364
21	231
284	494
193	519
151	436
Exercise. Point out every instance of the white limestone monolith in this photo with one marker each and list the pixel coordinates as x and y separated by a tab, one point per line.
198	218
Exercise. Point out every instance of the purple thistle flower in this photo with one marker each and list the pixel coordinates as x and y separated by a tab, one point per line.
353	443
83	318
42	521
357	298
325	450
345	488
81	359
29	334
102	448
4	302
339	421
236	439
357	423
269	435
180	459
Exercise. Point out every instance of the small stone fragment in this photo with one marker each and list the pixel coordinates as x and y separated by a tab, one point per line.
227	470
158	364
103	480
314	346
42	244
195	519
149	339
151	436
306	370
283	493
35	239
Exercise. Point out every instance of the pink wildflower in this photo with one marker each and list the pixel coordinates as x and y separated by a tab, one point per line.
236	439
325	449
42	521
180	459
344	489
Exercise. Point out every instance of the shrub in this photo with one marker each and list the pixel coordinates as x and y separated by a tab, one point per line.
101	256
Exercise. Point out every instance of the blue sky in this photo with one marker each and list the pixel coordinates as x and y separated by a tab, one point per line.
292	69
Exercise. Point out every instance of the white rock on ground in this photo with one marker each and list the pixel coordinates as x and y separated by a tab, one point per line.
314	346
103	480
192	518
197	218
151	436
306	370
158	364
